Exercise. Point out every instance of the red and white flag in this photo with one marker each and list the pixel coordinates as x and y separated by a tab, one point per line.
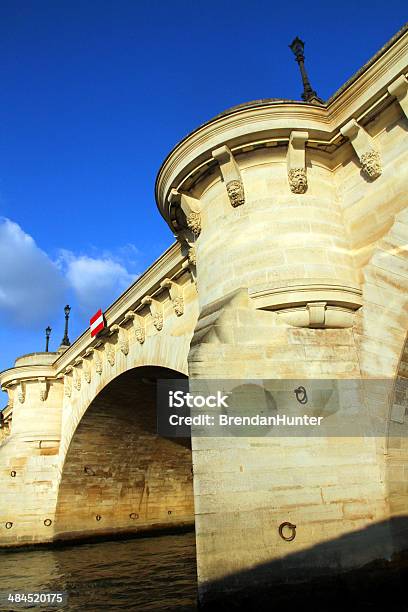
97	323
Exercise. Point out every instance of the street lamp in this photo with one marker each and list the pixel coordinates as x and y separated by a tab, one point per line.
308	95
65	340
47	337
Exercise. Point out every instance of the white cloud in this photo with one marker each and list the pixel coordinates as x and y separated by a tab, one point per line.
96	282
31	286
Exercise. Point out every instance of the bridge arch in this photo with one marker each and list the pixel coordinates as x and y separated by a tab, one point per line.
118	474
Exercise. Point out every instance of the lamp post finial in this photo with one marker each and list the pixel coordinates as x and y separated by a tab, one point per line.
309	94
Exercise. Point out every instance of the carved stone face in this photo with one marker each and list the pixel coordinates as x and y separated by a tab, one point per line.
158	321
192	256
194	223
297	180
140	335
235	190
371	163
67	388
178	304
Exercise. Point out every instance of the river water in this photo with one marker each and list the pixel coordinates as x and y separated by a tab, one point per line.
154	573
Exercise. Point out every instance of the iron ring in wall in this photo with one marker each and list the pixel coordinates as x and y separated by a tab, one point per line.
13	473
98	517
9	525
47	522
301	395
133	515
292	529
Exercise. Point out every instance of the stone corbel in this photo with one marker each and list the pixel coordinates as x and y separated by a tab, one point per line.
129	316
43	385
187	265
114	329
296	162
156	310
86	366
399	89
97	358
190	207
10	392
123	341
109	348
21	392
191	249
176	295
192	255
87	372
110	354
138	325
231	175
68	380
365	148
67	386
77	373
77	380
317	314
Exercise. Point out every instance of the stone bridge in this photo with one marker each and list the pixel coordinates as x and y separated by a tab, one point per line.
291	262
82	417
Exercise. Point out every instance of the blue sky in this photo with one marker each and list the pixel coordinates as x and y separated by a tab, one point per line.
94	94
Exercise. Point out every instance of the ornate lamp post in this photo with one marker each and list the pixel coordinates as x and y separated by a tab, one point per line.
65	340
47	337
308	95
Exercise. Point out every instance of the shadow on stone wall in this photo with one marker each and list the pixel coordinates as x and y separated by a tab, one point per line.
308	578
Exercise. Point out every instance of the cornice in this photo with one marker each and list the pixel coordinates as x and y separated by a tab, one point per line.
272	121
26	372
235	129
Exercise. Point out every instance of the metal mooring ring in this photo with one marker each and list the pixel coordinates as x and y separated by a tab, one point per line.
9	525
292	528
301	395
13	473
98	517
47	522
133	515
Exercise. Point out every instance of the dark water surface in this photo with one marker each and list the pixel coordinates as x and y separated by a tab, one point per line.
155	573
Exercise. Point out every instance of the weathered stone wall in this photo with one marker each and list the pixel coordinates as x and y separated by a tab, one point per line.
118	474
347	229
368	205
245	488
29	463
276	237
